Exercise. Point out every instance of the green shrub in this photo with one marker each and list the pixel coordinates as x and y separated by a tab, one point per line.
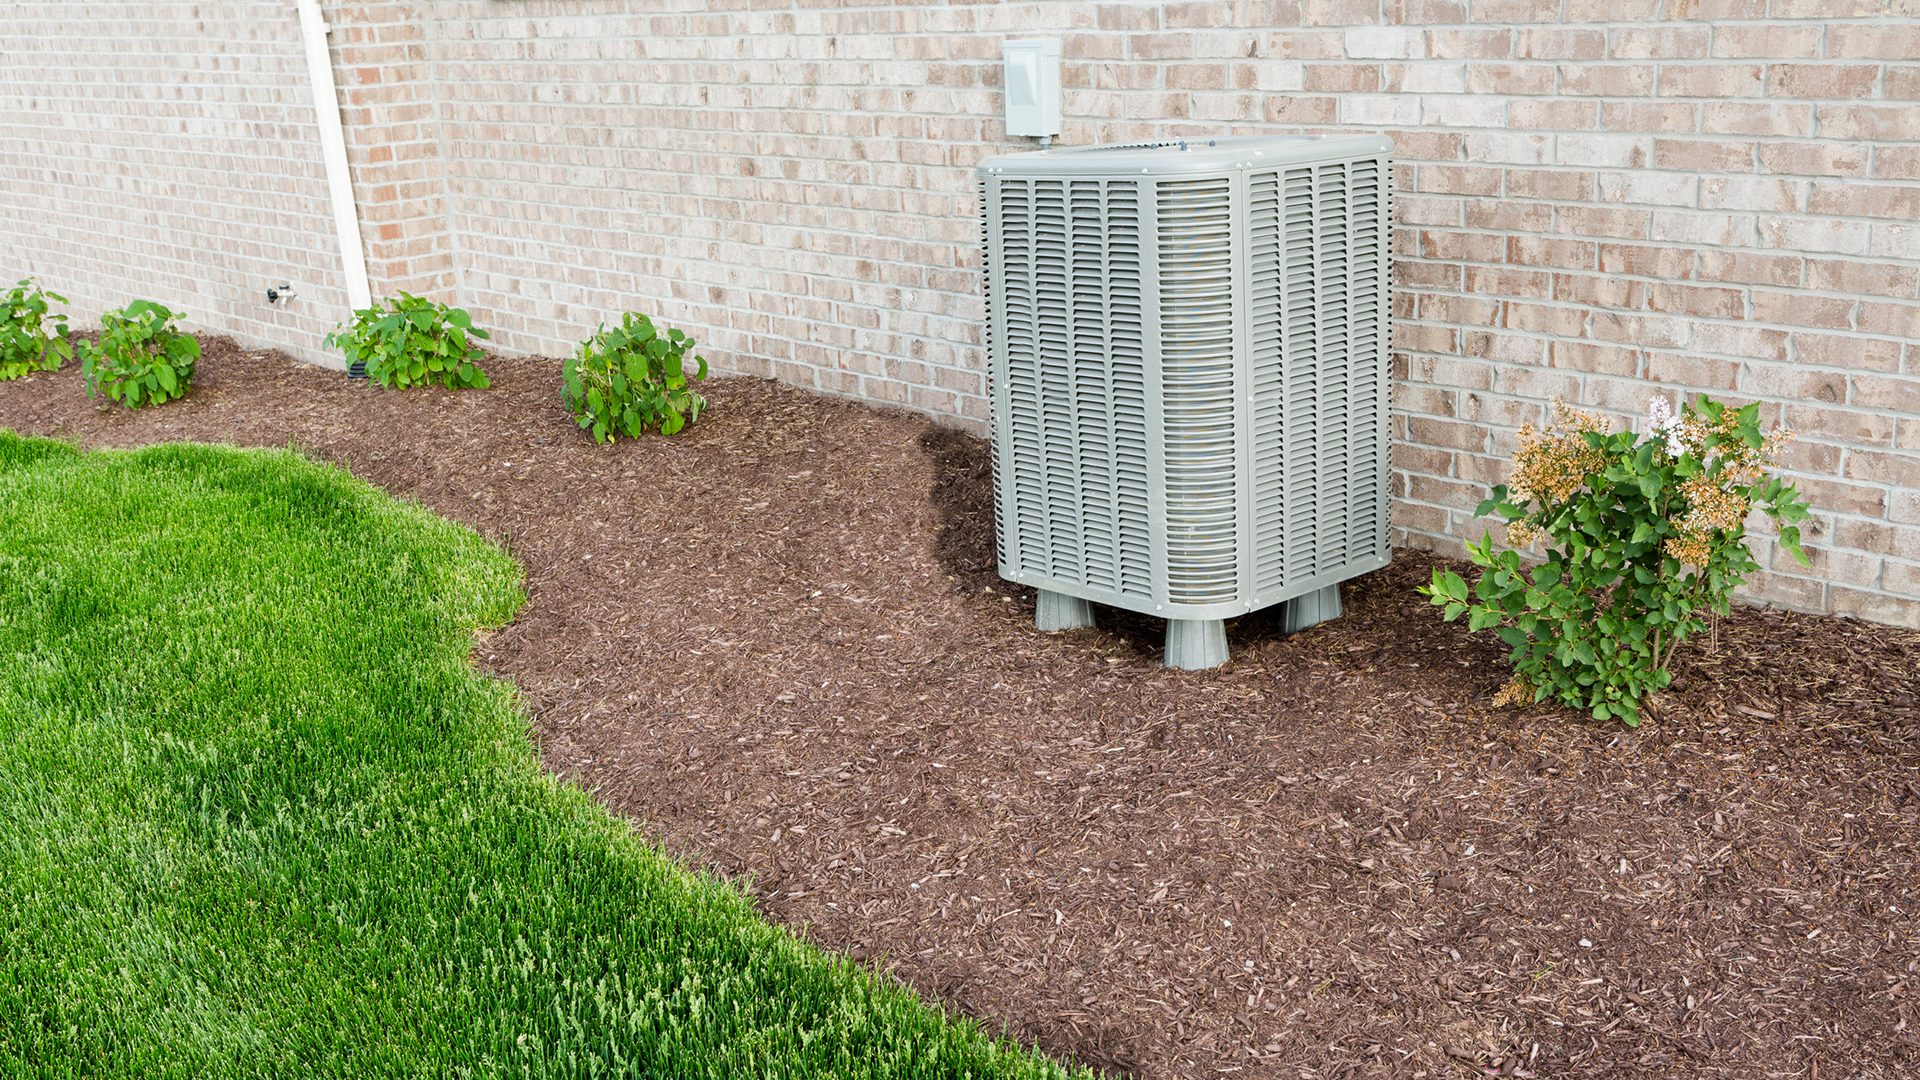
139	358
408	340
32	336
1646	536
633	378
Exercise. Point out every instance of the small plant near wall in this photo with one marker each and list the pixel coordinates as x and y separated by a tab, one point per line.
33	337
139	358
633	378
1645	537
408	340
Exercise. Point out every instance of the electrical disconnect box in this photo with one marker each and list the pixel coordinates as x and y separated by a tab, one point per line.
1033	88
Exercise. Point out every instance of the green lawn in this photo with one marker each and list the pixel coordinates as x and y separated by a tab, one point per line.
258	816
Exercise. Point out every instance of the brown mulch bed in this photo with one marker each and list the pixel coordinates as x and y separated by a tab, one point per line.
777	644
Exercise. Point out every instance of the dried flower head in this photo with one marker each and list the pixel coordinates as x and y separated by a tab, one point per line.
1712	505
1550	465
1515	692
1689	547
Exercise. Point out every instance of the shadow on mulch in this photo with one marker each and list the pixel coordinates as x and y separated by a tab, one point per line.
776	643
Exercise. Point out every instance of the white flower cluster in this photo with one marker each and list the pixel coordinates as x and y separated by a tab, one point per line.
1664	422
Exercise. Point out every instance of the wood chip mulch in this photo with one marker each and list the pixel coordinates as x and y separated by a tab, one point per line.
776	643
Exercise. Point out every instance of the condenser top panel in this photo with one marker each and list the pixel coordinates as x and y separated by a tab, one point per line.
1175	157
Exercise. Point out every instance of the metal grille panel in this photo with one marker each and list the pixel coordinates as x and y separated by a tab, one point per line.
1074	383
1198	376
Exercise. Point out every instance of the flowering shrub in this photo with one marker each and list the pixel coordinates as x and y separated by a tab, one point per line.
139	358
33	337
1645	537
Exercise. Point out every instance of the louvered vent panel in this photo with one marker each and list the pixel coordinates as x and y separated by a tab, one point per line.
1053	343
1331	207
1301	419
1127	419
1075	384
1027	501
1001	533
1367	449
1266	305
1088	331
1197	374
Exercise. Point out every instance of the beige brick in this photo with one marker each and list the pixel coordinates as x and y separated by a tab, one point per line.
1768	40
1900	41
1657	42
1798	309
1840	496
1341	78
1793	383
1555	184
1847	426
1751	342
1895	393
1901	83
1900	201
1540	251
1815	234
1590	357
1821	80
1814	159
1890	319
1511	79
1607	80
1894	467
1555	114
1650	116
1557	43
1872	278
1712	80
1846	351
1903	580
1883	122
1470	44
1385	42
1646	260
1750	268
1704	155
1753	118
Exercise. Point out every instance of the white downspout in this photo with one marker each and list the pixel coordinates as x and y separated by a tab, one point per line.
333	152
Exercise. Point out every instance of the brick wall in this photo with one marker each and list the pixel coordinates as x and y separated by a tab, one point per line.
166	151
1618	197
1625	197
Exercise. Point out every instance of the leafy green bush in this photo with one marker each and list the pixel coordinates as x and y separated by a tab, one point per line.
32	336
139	358
409	340
633	378
1646	536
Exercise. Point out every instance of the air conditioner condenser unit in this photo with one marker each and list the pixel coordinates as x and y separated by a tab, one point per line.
1188	349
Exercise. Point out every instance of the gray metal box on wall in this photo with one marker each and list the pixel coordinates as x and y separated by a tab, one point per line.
1188	348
